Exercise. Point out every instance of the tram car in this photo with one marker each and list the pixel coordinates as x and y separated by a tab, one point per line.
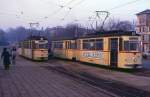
117	49
34	48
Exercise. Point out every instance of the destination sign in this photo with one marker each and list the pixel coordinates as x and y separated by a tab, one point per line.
92	54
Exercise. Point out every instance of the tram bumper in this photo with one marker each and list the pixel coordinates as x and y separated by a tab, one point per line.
41	58
134	66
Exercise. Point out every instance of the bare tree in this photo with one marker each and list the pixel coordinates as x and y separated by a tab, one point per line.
116	24
3	40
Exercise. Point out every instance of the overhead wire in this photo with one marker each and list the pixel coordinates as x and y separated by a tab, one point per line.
122	5
71	9
66	14
61	7
49	2
56	11
68	3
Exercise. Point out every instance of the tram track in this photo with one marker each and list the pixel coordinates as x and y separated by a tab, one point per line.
114	87
75	77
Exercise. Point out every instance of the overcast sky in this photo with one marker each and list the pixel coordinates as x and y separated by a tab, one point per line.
48	13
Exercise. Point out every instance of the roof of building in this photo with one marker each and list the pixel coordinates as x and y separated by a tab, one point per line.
147	11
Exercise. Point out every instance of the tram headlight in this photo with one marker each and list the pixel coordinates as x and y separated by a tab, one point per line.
135	59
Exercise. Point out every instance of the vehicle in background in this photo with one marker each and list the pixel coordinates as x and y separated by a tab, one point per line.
146	55
34	48
117	49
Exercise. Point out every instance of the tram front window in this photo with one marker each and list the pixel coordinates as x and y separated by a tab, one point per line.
131	46
42	46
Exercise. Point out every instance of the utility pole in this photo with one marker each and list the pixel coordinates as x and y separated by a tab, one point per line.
42	29
97	15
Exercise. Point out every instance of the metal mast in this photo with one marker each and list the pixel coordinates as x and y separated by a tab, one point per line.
101	16
32	26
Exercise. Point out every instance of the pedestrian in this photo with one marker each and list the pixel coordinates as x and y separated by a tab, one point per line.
13	54
49	53
6	58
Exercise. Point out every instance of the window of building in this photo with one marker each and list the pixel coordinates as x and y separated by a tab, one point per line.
142	19
143	29
149	38
146	38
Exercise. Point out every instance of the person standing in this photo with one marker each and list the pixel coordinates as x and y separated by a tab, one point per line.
13	53
6	58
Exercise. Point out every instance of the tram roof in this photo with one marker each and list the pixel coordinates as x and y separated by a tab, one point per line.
102	34
64	38
36	38
110	34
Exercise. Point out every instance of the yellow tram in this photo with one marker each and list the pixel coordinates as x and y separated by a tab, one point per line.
114	48
34	48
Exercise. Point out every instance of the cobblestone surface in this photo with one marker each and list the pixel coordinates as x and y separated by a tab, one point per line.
28	79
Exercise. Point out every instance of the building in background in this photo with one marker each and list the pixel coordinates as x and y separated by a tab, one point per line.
143	28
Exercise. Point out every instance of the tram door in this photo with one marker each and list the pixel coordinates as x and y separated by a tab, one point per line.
66	49
113	52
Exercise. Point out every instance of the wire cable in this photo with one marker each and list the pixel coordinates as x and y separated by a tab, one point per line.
61	7
71	9
122	5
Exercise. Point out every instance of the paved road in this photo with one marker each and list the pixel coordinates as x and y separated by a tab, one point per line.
146	64
28	79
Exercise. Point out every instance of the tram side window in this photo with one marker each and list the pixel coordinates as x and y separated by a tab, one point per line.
99	44
20	45
26	45
78	44
93	44
30	46
126	46
73	45
67	45
33	45
86	44
58	45
131	46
